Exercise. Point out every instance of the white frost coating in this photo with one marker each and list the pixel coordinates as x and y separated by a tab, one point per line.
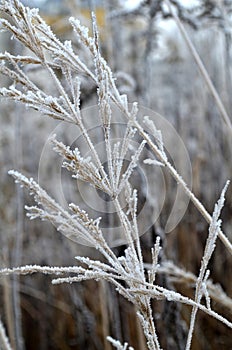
204	273
4	341
29	269
83	168
49	99
77	23
133	163
156	134
152	162
117	344
124	101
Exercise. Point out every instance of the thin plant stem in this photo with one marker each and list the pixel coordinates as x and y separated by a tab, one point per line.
201	67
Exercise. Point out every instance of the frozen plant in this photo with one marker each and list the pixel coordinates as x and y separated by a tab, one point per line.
4	342
127	273
118	345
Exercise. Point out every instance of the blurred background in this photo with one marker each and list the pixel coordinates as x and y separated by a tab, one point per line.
153	65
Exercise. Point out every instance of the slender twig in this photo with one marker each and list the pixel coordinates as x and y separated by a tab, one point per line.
201	67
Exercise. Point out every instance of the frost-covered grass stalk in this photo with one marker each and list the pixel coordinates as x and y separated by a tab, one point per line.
4	342
128	272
